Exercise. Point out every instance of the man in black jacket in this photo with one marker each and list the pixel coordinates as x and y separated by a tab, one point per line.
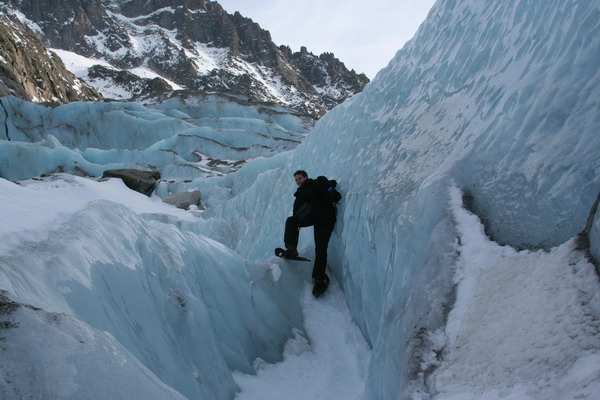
314	206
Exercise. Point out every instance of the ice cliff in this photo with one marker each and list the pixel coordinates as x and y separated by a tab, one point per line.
494	105
500	99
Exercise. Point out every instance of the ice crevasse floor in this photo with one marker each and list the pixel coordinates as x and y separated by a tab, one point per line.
330	363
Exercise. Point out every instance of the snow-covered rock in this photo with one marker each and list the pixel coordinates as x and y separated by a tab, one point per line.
30	71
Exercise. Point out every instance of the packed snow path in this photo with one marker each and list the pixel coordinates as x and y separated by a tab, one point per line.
330	364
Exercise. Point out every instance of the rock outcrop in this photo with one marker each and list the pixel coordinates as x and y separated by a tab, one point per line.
31	72
135	179
189	44
184	200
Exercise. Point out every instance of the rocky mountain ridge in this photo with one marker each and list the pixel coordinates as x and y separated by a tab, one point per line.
31	72
164	45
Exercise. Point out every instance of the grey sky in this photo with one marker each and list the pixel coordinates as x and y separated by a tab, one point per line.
364	35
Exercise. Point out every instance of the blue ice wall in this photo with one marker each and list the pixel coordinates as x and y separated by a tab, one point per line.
500	98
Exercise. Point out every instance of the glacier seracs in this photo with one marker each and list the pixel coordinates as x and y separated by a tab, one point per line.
500	100
186	136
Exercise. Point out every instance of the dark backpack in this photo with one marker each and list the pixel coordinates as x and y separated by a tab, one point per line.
327	195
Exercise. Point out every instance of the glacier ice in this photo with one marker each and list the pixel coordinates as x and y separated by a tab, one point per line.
72	361
555	292
185	306
499	100
595	238
187	136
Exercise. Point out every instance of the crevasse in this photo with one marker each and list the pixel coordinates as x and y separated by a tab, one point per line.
498	99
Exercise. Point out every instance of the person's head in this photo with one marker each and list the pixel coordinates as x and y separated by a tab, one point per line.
300	177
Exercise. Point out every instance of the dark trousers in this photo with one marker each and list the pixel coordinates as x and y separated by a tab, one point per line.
322	231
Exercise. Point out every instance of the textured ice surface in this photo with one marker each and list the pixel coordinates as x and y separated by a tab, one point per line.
186	307
501	99
549	348
57	356
184	137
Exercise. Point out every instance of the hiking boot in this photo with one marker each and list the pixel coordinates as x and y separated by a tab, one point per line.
320	285
290	253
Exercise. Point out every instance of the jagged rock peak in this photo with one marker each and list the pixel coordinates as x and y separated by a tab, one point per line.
188	44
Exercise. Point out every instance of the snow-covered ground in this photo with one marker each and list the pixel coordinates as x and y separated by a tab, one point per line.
32	210
330	363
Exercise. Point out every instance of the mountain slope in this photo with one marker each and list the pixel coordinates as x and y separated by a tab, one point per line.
194	45
28	70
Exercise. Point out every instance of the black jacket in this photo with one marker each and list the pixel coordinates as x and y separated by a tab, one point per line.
312	206
305	200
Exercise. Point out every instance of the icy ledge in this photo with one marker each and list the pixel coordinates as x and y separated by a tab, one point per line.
525	325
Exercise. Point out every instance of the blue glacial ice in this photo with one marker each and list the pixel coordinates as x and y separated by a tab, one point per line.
68	355
500	100
187	308
182	137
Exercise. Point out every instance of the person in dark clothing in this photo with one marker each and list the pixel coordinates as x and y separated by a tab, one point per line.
314	206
